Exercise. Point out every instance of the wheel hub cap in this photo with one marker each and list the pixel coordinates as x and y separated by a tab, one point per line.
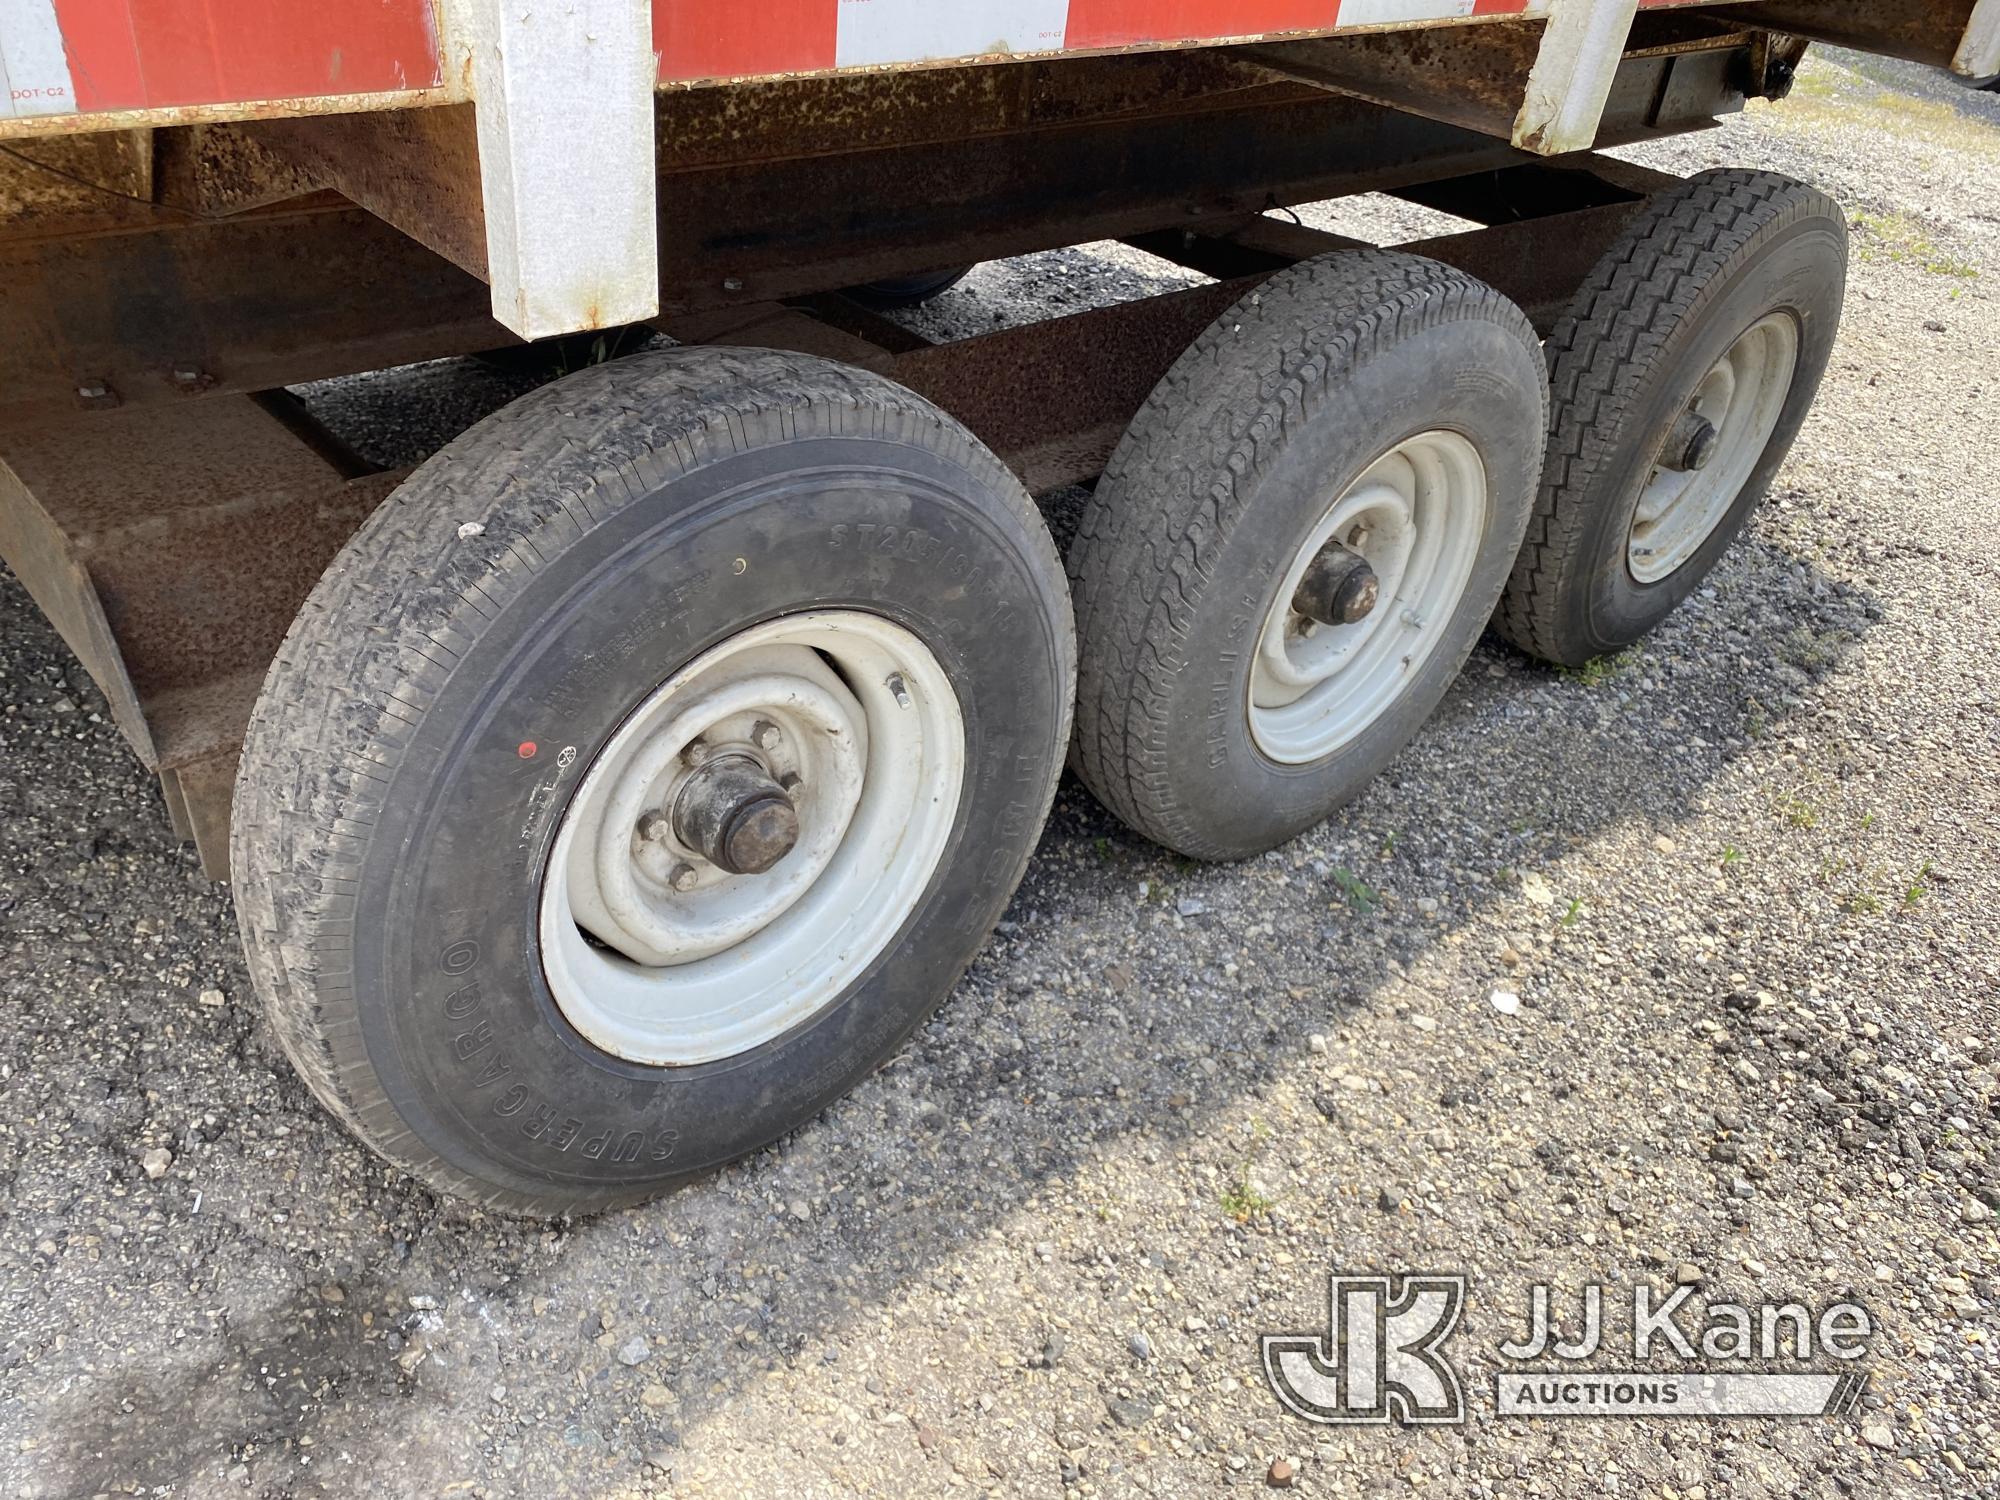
1339	587
736	815
751	838
1691	444
1366	599
1713	448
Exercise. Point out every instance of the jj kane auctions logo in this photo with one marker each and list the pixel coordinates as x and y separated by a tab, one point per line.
1381	1359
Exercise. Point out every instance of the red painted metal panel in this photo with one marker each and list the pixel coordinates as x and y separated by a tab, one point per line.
103	53
154	54
726	39
1120	23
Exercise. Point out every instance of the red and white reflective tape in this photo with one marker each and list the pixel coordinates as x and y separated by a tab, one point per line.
65	56
699	39
96	56
708	39
34	75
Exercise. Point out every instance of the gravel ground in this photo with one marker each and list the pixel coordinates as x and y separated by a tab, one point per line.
1741	880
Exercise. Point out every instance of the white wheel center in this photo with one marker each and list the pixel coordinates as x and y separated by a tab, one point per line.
1416	516
658	954
1742	398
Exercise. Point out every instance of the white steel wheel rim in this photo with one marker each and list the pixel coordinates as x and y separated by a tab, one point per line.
869	724
1743	397
1418	515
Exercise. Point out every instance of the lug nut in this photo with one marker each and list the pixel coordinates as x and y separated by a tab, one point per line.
764	735
683	876
696	751
653	824
1339	587
791	781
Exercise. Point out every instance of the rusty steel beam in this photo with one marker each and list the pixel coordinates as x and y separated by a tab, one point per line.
792	118
1255	246
1539	262
794	228
1540	189
844	313
1470	76
183	308
50	567
791	228
417	169
187	305
1052	399
199	528
1475	77
1924	31
171	547
774	326
76	184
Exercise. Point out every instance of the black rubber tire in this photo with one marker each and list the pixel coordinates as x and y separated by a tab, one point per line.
1701	264
1215	487
390	832
908	291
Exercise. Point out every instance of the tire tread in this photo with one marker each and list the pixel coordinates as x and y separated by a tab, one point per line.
1182	476
408	595
1604	353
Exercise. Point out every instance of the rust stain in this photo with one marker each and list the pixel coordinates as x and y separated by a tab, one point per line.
33	126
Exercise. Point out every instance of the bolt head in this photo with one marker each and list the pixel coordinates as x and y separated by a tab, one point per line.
764	735
683	876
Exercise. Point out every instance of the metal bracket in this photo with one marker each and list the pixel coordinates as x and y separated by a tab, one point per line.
1582	45
1978	56
563	93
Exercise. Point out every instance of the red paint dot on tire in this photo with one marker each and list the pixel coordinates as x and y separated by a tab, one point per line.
527	750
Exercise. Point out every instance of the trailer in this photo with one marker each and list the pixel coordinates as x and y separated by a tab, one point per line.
610	793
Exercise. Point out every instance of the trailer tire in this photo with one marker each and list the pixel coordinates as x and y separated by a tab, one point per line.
1721	300
688	559
1371	398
